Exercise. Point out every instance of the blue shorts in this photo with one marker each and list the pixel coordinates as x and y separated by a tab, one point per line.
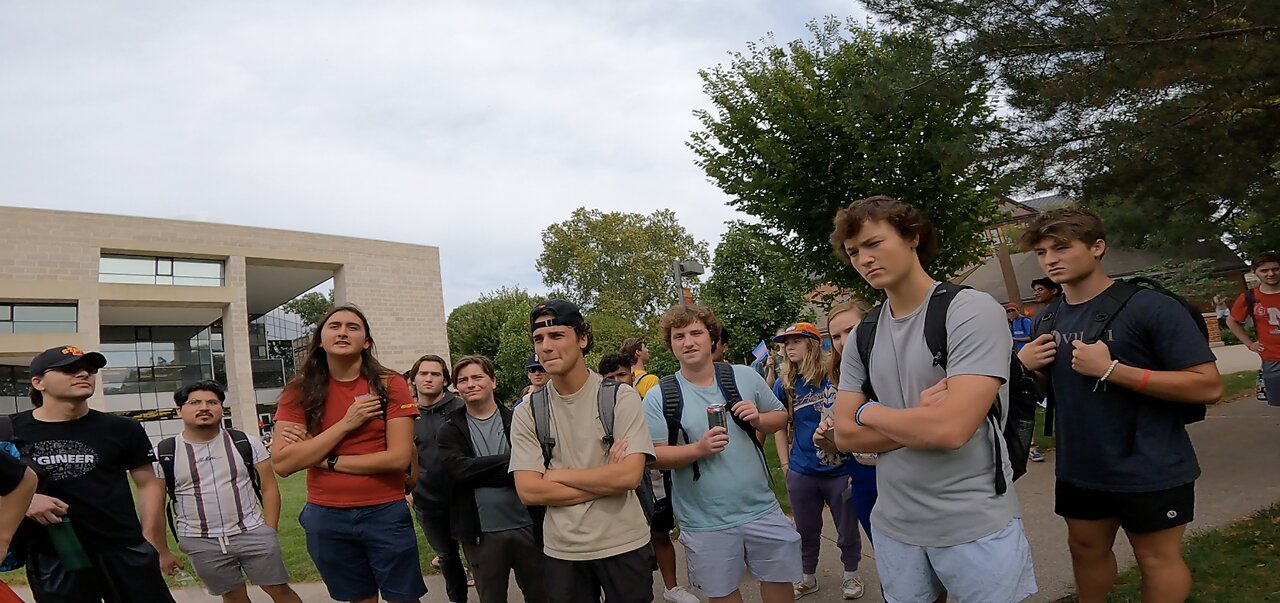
363	550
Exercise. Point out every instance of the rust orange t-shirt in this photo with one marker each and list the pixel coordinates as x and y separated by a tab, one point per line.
337	489
1266	321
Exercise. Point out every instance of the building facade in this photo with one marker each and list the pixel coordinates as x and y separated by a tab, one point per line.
170	302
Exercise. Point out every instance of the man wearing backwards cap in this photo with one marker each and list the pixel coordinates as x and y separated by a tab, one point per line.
595	534
85	454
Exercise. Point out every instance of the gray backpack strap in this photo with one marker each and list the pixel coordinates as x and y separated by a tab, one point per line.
606	400
540	404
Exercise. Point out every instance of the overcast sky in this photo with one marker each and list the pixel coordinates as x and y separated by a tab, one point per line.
470	126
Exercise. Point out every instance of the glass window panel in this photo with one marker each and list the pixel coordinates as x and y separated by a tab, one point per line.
164	267
44	313
196	281
128	279
43	327
6	327
211	270
164	280
6	312
120	359
127	265
145	374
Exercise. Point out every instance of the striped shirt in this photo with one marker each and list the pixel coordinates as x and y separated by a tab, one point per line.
213	495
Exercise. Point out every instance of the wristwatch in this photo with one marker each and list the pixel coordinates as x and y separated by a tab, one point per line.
333	462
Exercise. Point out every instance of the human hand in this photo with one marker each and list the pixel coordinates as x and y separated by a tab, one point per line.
822	436
935	395
364	408
618	451
713	441
292	434
46	510
1090	359
1039	353
1257	347
169	562
746	411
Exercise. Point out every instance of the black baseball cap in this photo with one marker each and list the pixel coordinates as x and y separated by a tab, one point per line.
533	363
66	355
563	314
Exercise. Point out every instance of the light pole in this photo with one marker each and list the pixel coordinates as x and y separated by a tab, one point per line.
681	270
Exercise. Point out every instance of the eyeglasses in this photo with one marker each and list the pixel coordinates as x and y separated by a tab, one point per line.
534	370
72	369
202	403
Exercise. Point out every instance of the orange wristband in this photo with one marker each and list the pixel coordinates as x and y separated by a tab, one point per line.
1142	384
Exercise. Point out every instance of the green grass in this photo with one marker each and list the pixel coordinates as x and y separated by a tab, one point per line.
1234	564
293	541
779	482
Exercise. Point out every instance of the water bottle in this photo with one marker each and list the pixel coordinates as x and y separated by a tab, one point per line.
67	545
185	579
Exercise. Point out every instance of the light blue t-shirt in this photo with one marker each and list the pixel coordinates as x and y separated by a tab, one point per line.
734	488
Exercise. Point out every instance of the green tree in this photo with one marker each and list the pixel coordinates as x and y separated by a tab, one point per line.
476	327
1164	115
311	307
800	130
617	263
513	352
755	286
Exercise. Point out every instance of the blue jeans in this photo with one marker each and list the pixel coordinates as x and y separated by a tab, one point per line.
363	550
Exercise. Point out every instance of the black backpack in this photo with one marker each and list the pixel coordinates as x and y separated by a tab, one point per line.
166	450
1110	303
673	410
606	401
1020	423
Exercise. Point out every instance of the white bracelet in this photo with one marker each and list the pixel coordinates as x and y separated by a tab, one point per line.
1111	368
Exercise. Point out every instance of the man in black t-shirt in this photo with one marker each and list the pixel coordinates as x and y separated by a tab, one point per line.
86	454
1124	458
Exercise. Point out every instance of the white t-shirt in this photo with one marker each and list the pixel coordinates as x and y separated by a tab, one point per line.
213	494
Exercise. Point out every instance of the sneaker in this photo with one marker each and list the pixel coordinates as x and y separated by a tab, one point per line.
803	588
435	562
1035	455
853	588
679	594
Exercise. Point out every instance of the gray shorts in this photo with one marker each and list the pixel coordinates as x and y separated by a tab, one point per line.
223	563
769	547
1270	374
991	569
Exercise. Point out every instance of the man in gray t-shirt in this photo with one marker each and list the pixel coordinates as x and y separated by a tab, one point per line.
497	531
939	526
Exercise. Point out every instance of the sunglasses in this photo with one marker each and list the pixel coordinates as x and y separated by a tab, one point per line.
72	370
534	370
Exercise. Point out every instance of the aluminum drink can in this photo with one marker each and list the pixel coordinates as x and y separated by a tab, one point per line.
717	416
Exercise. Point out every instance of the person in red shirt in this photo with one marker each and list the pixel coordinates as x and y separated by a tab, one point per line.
1265	311
348	421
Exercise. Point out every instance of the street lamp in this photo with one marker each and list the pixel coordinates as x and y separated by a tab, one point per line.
681	270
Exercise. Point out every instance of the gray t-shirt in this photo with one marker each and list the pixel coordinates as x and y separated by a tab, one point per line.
500	508
937	497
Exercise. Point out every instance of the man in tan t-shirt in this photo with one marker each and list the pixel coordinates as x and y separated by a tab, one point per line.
595	534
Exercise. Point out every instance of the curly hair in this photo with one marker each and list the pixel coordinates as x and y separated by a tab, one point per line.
904	218
683	315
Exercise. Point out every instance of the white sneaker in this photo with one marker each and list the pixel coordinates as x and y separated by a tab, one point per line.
804	587
853	588
679	594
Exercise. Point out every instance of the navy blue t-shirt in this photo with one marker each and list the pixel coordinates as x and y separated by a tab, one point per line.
1116	439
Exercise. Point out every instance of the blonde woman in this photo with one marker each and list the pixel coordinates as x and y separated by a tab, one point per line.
862	473
814	477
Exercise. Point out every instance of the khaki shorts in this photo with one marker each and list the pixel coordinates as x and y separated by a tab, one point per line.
223	563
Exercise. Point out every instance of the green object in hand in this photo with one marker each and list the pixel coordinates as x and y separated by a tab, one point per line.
67	545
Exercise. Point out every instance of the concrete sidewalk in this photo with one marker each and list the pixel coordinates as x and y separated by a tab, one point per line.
1236	445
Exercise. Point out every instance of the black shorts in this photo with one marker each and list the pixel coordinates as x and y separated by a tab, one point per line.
624	578
1138	512
121	575
664	517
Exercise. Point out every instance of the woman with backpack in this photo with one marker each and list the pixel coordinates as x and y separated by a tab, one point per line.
862	469
815	477
348	421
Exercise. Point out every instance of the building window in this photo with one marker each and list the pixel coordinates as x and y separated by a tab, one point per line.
142	270
37	318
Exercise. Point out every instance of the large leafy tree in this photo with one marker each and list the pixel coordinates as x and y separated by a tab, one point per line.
310	307
798	131
755	286
1162	114
513	351
617	263
476	327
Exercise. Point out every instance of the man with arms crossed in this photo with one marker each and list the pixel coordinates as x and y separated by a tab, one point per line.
939	526
595	534
1124	459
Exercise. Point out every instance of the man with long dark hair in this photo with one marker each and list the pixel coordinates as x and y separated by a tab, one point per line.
348	421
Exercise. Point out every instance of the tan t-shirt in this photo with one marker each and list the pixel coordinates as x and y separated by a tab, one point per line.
603	527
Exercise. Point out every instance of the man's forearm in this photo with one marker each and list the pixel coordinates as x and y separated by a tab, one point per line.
372	463
14	505
924	428
1238	330
772	422
676	457
605	480
534	490
271	503
289	458
855	438
151	509
1175	386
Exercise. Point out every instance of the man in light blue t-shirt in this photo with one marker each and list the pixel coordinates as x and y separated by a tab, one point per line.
720	486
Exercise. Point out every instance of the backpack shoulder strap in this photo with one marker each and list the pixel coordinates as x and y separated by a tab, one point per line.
1250	300
729	389
864	339
606	401
935	321
165	451
241	441
1109	304
540	404
673	412
1047	320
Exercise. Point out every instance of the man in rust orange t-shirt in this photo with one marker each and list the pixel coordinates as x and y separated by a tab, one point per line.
1265	311
356	443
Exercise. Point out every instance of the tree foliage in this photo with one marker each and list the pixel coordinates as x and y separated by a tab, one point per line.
476	327
755	286
512	353
311	307
1162	114
800	130
615	263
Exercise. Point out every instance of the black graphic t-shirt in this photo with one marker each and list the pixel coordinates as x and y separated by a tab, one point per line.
88	461
1115	439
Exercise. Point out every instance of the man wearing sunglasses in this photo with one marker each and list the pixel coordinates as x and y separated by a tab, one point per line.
85	455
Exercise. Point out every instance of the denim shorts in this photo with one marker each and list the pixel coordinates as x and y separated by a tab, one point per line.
363	550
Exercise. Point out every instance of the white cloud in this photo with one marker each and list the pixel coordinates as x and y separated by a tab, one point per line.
469	126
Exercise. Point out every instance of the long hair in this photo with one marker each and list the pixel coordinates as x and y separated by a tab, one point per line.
860	309
312	381
811	369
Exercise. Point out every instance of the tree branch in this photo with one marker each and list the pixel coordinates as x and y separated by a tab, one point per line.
1210	35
